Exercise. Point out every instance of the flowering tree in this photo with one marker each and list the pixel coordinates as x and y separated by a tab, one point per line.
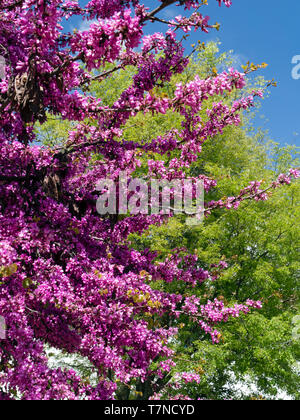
68	277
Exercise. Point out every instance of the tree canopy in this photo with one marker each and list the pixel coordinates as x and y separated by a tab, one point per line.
146	302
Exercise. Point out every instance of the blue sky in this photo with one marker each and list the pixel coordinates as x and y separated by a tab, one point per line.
264	31
260	31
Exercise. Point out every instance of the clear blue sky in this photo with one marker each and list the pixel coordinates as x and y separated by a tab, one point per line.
260	31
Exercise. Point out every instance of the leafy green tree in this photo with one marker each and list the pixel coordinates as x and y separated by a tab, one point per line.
261	244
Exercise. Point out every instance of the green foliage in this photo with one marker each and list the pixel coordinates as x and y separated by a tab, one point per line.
260	242
54	132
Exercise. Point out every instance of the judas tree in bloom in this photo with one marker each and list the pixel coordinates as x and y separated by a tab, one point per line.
68	277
